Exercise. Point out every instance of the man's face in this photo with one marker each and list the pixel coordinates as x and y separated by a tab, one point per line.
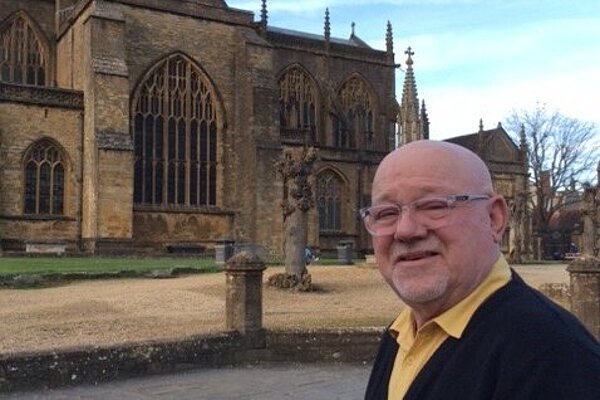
433	265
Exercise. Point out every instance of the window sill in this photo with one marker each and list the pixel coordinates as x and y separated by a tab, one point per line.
36	217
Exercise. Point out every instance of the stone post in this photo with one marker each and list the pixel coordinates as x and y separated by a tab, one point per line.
243	304
585	292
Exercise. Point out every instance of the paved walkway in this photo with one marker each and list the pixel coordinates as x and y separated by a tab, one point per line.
264	382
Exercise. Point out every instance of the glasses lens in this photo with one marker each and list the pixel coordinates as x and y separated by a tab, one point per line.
429	209
382	219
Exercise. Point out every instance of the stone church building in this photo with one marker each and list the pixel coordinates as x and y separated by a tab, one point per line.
144	125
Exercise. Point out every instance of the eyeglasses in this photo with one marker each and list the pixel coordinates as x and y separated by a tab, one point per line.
382	219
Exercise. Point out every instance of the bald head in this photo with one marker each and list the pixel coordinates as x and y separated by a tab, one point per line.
431	260
457	167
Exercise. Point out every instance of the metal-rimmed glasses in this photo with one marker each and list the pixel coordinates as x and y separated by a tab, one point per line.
382	219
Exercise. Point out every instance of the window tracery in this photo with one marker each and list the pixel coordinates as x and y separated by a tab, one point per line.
175	137
23	58
329	201
44	179
298	104
358	125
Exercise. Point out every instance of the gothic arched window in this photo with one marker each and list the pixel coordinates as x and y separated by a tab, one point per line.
298	104
175	136
44	179
329	201
23	57
358	107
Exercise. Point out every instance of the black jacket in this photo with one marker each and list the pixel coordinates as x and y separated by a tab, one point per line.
518	345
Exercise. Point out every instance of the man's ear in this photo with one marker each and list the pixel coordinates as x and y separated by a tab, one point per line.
498	217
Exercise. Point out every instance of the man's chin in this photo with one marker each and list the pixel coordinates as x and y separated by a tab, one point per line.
419	292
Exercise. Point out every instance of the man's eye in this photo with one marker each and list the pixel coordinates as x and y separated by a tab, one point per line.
432	205
389	212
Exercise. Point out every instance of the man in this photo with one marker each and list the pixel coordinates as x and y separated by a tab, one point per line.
472	329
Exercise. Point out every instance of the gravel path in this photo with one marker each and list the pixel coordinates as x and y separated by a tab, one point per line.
99	313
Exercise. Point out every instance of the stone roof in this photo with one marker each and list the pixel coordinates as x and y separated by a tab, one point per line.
472	140
354	40
565	220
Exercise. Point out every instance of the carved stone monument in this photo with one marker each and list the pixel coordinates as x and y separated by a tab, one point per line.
585	271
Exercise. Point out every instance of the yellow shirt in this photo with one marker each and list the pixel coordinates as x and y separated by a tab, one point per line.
416	348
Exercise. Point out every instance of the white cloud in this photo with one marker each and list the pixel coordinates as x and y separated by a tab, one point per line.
454	110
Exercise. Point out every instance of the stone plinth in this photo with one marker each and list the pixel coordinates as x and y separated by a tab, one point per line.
585	292
243	304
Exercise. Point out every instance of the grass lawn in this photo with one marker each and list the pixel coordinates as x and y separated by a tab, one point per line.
99	265
41	265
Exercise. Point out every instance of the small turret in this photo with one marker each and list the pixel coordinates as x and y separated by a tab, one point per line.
264	15
327	29
389	40
424	121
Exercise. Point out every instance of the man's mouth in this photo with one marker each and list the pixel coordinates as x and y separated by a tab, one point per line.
415	255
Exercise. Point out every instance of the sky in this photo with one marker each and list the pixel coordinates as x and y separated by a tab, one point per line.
474	59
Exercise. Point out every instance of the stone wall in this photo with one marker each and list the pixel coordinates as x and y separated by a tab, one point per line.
78	366
25	118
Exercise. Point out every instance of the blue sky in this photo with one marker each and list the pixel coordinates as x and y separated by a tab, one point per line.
473	58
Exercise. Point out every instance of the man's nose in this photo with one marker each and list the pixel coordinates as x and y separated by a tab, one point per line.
408	226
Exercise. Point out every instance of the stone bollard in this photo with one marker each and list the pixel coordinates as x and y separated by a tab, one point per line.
585	292
223	250
243	304
344	251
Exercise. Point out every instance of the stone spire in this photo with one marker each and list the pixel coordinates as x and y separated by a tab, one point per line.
264	15
327	29
480	124
410	123
352	27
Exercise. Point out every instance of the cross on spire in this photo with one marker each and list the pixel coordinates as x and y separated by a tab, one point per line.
410	53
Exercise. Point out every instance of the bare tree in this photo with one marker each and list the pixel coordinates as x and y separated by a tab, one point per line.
296	170
562	151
